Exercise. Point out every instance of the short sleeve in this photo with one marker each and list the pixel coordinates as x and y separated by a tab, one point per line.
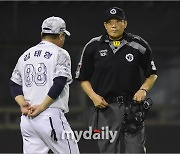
16	74
147	62
63	66
85	67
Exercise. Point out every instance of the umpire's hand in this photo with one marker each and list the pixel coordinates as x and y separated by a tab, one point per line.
139	96
99	101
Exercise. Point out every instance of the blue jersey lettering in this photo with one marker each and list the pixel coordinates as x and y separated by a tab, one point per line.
26	57
47	55
37	53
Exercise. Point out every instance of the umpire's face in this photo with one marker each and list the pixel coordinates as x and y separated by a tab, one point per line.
115	28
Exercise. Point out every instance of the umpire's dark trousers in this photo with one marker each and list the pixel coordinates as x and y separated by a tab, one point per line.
112	117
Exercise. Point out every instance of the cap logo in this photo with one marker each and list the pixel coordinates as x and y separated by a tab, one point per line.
113	11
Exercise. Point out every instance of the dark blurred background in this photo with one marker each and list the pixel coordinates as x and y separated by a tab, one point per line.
155	21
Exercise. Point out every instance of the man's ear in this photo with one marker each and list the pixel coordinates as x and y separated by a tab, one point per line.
105	25
61	36
125	22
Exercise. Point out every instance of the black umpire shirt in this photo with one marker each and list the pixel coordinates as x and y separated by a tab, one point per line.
115	70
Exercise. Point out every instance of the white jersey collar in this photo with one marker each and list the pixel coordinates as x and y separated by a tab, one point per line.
46	42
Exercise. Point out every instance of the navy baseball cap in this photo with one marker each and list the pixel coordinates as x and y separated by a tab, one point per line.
114	12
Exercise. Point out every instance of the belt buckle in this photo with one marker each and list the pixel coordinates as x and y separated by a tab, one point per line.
120	99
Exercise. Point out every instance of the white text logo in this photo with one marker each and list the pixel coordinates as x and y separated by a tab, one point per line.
104	133
103	53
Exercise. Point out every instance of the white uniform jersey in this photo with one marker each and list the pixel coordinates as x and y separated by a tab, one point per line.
36	69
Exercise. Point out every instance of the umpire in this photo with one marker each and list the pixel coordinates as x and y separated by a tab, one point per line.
109	73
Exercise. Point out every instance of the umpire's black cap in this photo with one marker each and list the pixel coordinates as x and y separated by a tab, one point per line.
114	12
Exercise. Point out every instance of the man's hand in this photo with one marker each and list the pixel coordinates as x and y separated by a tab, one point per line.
25	108
35	110
139	96
99	101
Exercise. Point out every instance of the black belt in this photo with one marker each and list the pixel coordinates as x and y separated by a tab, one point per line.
118	99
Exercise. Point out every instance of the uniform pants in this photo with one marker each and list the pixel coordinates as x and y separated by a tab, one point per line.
44	132
112	117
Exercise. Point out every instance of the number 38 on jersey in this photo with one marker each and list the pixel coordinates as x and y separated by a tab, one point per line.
35	74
